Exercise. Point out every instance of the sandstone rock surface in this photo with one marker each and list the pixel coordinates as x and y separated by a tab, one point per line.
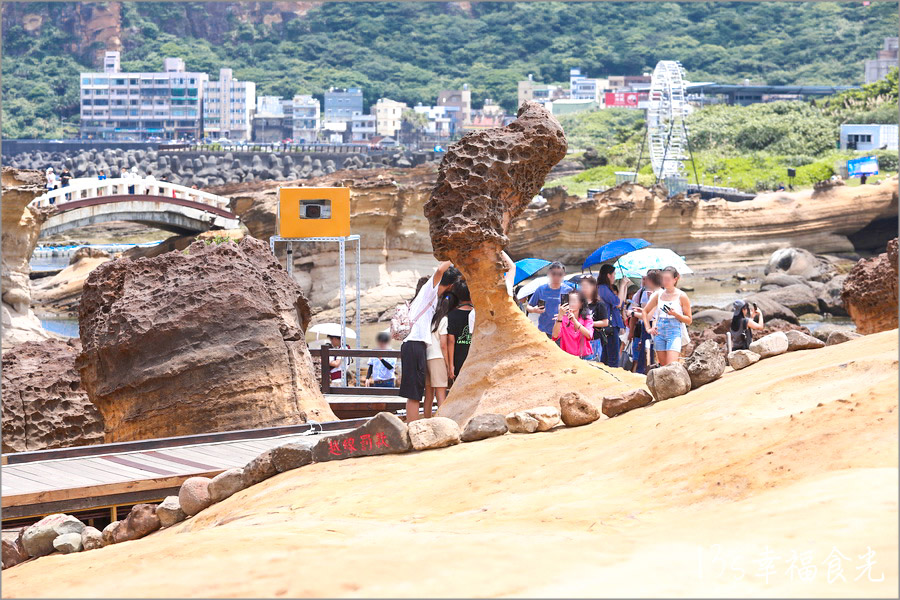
870	292
485	181
483	426
437	432
44	405
705	364
210	339
577	410
616	405
740	359
668	381
770	345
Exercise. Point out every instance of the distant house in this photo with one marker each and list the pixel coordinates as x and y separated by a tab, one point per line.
869	136
568	107
885	60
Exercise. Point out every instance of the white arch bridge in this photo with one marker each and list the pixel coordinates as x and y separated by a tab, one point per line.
159	204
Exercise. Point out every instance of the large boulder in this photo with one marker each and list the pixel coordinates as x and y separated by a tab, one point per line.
384	433
38	538
669	381
869	292
771	308
437	432
44	405
829	296
209	339
799	298
705	364
800	263
770	345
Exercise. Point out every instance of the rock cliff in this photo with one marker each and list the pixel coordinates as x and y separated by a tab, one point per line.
21	227
208	339
44	405
485	181
870	292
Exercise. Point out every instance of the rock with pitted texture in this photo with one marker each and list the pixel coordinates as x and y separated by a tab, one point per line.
44	405
616	405
870	292
141	521
194	495
485	181
209	339
705	364
577	410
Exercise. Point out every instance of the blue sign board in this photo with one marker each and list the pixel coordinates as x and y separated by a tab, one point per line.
867	165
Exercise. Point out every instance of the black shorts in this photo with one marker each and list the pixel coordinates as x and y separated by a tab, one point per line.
413	363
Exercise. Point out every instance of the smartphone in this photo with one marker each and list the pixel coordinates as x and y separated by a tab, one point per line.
665	308
541	303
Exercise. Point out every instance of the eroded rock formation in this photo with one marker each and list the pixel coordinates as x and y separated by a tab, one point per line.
208	339
44	405
870	292
484	182
21	227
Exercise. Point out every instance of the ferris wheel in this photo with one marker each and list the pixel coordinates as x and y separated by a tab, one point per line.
667	109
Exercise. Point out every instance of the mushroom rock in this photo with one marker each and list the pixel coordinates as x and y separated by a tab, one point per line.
870	292
484	182
208	339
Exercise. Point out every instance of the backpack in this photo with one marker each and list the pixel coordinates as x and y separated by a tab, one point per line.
400	323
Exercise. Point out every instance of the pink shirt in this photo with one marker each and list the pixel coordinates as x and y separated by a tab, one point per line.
572	340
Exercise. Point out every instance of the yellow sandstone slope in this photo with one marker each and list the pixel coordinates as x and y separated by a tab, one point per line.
795	454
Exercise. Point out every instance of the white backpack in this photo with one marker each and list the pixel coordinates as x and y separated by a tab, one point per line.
400	323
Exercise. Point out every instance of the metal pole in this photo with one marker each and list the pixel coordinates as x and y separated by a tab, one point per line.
640	157
358	308
343	278
290	259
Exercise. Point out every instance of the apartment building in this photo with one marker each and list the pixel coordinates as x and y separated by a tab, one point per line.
228	106
459	103
307	118
388	116
139	106
363	128
586	88
341	105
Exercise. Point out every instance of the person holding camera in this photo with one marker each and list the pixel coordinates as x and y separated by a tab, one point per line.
546	299
674	314
573	326
747	318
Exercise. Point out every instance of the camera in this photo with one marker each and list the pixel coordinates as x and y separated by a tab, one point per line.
315	209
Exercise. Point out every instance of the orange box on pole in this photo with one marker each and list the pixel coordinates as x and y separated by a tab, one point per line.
305	212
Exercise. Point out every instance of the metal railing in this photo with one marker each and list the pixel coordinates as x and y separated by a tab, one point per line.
326	352
82	189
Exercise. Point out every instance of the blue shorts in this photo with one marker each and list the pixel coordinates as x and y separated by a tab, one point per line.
669	336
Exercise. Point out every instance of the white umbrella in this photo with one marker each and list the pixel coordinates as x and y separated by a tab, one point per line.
637	263
530	287
331	329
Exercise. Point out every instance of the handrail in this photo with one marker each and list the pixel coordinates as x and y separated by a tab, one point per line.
97	188
326	351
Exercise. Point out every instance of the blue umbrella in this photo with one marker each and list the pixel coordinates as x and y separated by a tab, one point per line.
527	267
614	249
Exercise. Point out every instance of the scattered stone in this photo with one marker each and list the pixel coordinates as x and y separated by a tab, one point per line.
108	535
839	337
437	432
770	345
141	521
292	456
483	426
38	539
547	417
169	512
824	330
13	550
705	364
91	538
616	405
384	433
521	422
68	543
226	484
259	469
669	381
797	340
740	359
577	410
194	495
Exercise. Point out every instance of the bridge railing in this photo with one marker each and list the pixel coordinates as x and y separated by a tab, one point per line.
81	189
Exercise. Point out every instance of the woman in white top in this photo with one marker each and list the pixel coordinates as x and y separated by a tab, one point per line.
673	315
437	356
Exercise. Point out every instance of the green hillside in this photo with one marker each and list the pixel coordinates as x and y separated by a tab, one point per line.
409	51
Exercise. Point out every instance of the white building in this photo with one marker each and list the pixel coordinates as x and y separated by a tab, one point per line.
363	128
585	88
388	115
440	121
867	137
139	106
307	118
228	106
269	106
